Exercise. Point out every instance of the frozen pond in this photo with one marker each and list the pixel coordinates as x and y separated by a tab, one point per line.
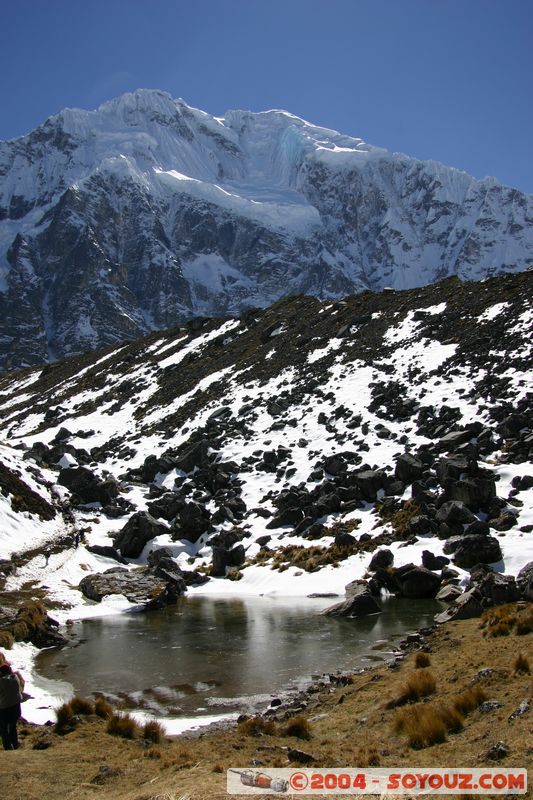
209	656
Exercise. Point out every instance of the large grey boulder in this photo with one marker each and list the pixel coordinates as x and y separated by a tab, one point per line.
418	582
139	585
467	606
360	603
449	593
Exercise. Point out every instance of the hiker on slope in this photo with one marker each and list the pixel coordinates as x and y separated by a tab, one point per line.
10	699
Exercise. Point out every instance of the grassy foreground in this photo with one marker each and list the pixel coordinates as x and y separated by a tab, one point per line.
420	714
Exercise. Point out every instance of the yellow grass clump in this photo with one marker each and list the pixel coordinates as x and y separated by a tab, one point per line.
521	664
418	685
123	725
80	705
297	726
422	660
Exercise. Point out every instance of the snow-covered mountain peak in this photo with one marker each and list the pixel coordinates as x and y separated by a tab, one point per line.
148	211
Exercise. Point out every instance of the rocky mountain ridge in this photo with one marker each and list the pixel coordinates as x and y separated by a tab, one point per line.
148	212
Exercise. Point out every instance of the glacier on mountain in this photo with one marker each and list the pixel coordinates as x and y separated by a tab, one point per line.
147	212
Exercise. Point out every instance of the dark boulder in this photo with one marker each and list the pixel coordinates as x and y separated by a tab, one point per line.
167	506
381	560
472	549
164	566
369	482
138	530
222	558
360	603
418	582
227	539
504	522
452	440
433	562
476	493
497	589
192	521
335	465
287	516
455	468
193	455
454	511
106	551
344	539
420	525
408	468
86	486
478	527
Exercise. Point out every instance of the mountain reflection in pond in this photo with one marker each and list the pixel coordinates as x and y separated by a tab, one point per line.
209	655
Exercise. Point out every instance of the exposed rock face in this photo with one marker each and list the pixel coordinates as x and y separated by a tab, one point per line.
146	212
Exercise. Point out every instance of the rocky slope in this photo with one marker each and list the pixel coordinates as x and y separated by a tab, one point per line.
148	212
282	449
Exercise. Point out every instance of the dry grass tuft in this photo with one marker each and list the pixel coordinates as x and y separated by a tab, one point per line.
6	640
502	628
80	705
399	519
64	715
367	757
418	685
422	660
469	700
501	621
297	726
102	708
152	753
521	664
153	731
123	725
257	726
426	724
452	718
422	724
524	623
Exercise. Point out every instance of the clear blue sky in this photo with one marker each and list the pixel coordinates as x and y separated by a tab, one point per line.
443	79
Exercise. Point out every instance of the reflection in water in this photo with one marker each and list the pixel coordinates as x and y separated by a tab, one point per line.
219	653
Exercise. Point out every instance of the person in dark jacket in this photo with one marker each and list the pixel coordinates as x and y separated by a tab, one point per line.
10	697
